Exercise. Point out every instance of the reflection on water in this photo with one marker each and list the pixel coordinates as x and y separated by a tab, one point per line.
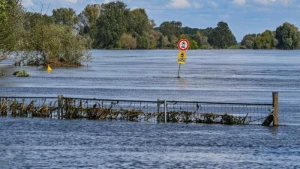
182	83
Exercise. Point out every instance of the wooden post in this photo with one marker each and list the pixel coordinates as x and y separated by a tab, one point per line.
275	107
158	113
165	110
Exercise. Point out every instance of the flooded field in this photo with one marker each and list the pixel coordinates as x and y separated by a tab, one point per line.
209	75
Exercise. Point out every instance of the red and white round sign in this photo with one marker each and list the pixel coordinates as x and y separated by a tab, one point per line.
183	44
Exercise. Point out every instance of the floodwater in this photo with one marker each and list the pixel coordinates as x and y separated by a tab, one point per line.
209	75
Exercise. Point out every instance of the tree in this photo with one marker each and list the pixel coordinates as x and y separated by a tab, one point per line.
139	22
11	27
57	44
200	39
111	24
171	28
88	19
193	44
288	36
65	16
163	42
3	16
127	42
248	41
46	42
266	40
222	36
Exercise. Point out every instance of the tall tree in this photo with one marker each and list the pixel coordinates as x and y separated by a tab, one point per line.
139	22
171	28
88	18
65	16
248	41
288	36
222	36
111	24
266	40
11	27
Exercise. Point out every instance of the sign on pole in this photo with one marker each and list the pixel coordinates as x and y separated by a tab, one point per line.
183	44
181	59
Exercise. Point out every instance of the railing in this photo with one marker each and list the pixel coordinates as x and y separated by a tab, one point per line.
135	110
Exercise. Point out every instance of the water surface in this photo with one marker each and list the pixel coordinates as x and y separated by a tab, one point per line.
209	75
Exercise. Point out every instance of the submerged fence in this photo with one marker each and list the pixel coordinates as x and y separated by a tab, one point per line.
135	110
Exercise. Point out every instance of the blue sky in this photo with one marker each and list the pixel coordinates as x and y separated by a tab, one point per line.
242	16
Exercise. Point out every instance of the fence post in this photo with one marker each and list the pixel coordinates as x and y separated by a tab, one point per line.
165	106
60	106
275	107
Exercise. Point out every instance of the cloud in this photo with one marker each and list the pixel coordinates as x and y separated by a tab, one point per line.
239	2
178	4
71	1
27	3
264	2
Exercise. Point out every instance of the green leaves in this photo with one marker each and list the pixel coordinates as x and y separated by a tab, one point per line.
3	15
65	16
222	36
288	36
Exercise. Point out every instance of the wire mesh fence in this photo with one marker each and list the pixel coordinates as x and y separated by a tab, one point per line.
216	112
29	106
135	110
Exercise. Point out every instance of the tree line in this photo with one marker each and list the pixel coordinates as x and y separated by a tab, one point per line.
64	37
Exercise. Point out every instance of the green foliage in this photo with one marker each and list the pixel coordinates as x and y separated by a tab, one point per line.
222	37
139	22
127	42
91	13
266	40
111	24
3	15
65	16
200	39
171	28
193	44
22	73
248	41
190	31
88	18
55	43
11	29
288	36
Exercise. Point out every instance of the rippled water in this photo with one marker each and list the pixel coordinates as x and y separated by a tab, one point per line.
212	75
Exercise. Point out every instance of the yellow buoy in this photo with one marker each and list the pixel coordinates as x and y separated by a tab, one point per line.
49	68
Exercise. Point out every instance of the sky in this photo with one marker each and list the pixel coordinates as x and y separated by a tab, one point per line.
243	16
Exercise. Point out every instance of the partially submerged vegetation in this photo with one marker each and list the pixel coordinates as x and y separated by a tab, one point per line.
22	73
68	108
37	39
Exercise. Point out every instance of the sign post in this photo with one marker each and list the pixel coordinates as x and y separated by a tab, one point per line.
183	45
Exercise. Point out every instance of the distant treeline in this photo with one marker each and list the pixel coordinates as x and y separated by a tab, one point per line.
64	36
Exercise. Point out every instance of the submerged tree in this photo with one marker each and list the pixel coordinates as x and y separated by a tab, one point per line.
46	42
